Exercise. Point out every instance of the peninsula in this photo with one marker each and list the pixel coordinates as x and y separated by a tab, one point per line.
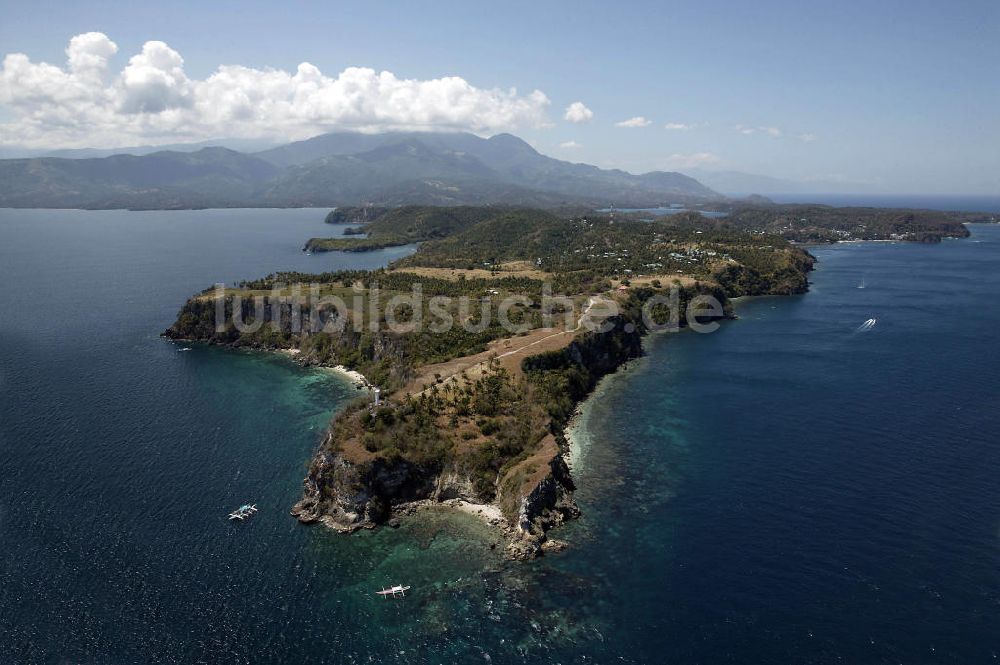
538	308
484	341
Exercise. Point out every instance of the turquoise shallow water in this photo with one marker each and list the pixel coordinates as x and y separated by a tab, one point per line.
784	490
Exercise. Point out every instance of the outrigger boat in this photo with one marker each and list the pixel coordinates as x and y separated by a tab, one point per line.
243	512
393	591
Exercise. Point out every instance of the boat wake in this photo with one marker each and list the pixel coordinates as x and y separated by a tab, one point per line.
243	512
867	325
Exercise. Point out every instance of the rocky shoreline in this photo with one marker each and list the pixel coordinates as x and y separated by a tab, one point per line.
487	441
347	497
548	505
348	491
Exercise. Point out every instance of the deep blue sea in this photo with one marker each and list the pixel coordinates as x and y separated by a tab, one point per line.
788	489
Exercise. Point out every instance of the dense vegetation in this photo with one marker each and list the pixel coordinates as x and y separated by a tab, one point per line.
481	427
586	249
488	426
387	356
581	256
354	214
352	244
818	223
562	378
400	226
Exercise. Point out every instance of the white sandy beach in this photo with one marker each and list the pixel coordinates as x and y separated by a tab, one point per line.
353	375
487	512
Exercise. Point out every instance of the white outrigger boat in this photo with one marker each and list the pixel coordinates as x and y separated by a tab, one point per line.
392	592
243	512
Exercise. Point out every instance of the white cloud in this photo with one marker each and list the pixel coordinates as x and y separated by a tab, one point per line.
578	112
637	121
88	53
152	100
679	126
807	137
154	81
773	132
570	145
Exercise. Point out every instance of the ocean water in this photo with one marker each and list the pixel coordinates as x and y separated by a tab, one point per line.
787	489
662	211
795	489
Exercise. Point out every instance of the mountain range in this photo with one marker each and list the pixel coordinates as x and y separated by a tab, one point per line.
738	183
339	169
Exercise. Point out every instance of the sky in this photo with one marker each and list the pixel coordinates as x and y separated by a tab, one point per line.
887	95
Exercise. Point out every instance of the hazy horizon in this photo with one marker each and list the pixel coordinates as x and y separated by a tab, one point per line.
899	97
722	180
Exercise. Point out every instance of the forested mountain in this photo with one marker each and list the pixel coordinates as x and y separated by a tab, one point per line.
502	160
208	177
339	169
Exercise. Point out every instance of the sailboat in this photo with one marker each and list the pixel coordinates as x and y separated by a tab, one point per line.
862	284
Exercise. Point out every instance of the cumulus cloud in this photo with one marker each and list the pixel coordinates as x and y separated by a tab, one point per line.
807	137
578	112
570	145
89	53
677	126
152	100
637	121
154	81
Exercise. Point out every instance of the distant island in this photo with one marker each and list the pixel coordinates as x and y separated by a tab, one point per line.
383	227
809	223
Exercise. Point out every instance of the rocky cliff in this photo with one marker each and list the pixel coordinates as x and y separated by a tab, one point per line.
379	355
347	488
492	438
